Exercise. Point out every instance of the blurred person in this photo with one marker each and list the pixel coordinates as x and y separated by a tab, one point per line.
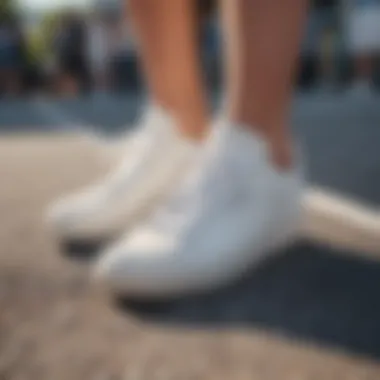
38	59
123	73
225	196
98	53
70	51
363	38
318	45
122	49
210	42
11	56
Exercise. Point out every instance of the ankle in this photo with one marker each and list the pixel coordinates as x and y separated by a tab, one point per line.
194	132
281	152
279	143
193	127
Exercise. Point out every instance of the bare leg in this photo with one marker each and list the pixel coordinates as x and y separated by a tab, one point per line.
68	86
12	83
363	68
263	39
168	43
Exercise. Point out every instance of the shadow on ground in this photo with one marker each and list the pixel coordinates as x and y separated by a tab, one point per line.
81	250
309	293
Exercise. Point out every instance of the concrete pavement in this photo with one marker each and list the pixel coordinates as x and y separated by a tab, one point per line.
309	296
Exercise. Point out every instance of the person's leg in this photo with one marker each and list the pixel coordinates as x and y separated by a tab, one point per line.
168	42
67	84
12	82
262	42
157	157
363	67
239	206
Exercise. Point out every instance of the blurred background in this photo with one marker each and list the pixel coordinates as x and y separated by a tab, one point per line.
86	48
70	63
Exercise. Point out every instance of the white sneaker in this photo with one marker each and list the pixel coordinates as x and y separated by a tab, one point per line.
115	148
154	163
230	214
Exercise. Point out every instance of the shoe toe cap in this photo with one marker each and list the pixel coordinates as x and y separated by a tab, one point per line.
61	215
141	265
68	215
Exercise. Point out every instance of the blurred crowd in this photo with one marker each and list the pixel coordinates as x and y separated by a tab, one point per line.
85	53
12	56
66	54
342	45
71	52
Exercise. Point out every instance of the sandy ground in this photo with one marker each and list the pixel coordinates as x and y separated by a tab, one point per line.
55	326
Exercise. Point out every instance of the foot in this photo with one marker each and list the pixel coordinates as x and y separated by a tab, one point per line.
231	213
156	159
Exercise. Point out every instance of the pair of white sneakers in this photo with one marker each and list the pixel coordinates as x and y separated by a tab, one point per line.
183	218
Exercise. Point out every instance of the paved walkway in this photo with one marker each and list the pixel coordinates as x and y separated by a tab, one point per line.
310	313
